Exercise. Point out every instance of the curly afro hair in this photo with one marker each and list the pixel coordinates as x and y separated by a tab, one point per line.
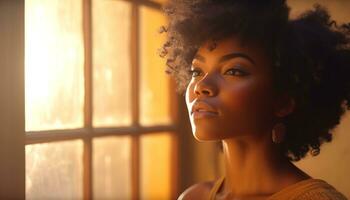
311	56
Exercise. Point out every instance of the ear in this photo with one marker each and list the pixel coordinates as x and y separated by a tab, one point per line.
285	105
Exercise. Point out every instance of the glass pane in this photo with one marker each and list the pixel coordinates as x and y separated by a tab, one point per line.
154	83
54	170
155	166
54	64
112	168
111	63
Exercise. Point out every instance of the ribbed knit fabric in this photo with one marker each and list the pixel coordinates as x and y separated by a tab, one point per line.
216	188
309	189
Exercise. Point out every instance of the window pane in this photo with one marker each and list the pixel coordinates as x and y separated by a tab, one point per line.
112	168
154	83
54	64
111	63
54	170
155	154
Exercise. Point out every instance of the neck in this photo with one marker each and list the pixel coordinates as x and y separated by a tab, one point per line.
256	167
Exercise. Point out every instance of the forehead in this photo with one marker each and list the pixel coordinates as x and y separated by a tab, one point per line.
229	45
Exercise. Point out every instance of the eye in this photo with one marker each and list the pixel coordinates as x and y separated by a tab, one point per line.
194	72
234	71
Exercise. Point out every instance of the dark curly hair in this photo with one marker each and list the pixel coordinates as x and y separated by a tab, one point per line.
311	56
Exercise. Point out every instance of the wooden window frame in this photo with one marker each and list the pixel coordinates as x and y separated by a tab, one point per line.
12	137
88	132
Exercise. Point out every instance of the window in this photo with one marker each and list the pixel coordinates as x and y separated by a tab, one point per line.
99	115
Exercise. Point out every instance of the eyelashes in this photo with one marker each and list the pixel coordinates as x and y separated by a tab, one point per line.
235	71
194	72
231	72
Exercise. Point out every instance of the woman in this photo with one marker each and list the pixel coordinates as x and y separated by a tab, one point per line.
268	87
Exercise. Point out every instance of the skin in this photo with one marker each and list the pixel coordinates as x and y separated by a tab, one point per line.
241	91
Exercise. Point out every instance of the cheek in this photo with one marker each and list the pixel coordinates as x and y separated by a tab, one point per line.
189	91
247	102
189	96
240	95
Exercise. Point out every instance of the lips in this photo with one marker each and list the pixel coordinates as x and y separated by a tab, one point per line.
202	109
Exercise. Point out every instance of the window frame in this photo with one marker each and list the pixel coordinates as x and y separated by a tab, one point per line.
12	168
88	132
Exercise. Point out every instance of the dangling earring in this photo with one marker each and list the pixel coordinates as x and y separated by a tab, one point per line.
278	133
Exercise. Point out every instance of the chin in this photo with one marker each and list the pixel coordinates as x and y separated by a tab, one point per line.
207	136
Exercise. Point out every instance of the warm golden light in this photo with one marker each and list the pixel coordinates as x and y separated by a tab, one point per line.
154	83
54	64
155	152
160	1
112	167
54	170
111	63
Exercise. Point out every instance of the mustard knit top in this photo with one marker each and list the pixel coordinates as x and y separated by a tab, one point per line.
309	189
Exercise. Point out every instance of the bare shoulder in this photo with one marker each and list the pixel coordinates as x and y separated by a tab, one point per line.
197	191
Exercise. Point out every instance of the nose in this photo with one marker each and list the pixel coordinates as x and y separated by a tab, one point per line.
205	87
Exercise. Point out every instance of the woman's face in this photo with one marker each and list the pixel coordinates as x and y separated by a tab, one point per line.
232	88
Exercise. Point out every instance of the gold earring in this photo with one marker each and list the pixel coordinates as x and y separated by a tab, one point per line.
278	133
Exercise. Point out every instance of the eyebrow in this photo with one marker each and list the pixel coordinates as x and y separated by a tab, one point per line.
226	57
